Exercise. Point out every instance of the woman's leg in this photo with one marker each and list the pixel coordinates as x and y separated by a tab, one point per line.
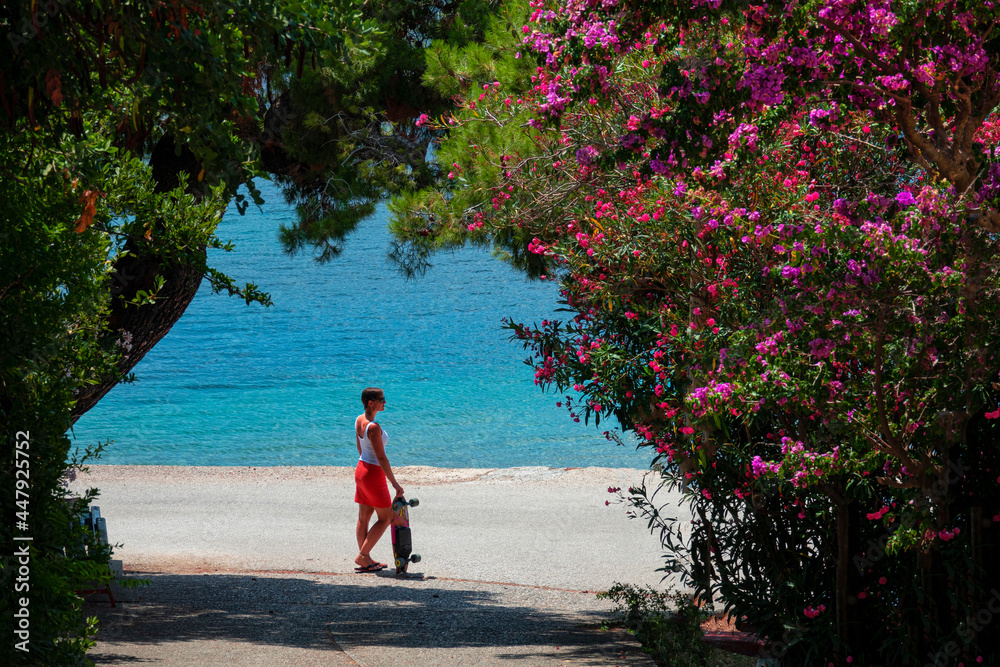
373	534
364	518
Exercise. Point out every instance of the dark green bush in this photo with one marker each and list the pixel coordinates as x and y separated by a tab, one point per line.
667	625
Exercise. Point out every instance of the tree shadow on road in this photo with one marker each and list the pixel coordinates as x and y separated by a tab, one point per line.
349	613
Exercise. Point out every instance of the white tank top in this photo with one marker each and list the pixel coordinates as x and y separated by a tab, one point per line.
367	451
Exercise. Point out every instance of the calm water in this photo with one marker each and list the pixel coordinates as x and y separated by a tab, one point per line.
242	385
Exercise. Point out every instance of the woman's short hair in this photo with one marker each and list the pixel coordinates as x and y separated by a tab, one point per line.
371	394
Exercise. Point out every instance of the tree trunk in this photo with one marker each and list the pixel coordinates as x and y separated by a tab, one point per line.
843	558
143	326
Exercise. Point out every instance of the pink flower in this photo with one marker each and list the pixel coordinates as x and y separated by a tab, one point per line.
822	347
875	516
813	613
946	535
422	119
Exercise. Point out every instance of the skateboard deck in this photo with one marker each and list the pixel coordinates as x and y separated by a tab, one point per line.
402	547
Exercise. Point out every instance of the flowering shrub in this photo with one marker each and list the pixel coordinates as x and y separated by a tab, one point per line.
776	229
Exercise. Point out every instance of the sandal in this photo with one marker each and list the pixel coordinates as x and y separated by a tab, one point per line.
374	567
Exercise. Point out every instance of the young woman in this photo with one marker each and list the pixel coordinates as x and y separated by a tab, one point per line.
372	494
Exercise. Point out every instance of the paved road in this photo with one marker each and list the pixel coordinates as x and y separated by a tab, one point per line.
253	566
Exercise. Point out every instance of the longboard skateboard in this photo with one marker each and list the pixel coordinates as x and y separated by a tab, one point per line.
402	547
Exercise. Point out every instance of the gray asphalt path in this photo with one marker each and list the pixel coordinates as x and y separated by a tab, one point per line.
254	566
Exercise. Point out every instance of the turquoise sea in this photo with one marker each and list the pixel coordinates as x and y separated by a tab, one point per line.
238	385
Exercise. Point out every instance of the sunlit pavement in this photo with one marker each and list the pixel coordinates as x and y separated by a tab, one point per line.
255	566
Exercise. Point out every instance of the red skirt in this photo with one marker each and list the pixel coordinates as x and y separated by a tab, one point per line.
372	489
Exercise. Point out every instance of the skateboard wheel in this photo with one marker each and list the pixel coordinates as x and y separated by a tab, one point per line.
415	558
414	502
399	563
